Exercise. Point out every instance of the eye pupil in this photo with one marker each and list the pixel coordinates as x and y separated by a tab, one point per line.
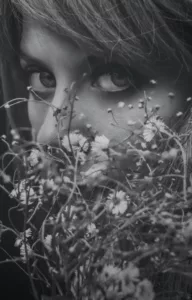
47	79
119	79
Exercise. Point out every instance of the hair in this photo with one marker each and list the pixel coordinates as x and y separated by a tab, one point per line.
132	30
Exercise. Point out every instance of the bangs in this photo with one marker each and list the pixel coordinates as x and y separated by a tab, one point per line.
132	31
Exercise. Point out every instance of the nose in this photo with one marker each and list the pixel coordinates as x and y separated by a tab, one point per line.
48	132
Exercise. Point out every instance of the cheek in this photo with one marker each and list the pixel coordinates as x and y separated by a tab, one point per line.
36	112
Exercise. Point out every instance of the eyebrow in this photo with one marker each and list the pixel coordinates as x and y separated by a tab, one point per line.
32	59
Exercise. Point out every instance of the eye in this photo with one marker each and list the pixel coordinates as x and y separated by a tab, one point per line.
40	79
112	78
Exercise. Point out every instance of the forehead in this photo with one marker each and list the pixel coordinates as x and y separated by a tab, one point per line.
37	41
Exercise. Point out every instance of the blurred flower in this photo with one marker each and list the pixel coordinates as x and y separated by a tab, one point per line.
95	172
25	193
34	156
77	141
152	126
144	290
6	178
48	242
117	202
19	240
101	143
25	252
91	229
121	104
109	271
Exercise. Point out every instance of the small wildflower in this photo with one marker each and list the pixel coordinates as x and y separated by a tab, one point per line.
130	106
91	229
189	99
6	178
132	272
173	152
7	105
3	137
144	145
25	252
33	158
154	146
14	143
157	106
25	193
152	81
81	116
152	126
121	104
131	122
95	171
66	179
141	101
109	110
58	180
117	202
171	95
144	290
76	140
168	196
29	88
48	242
179	113
140	105
165	155
108	272
50	185
89	126
101	143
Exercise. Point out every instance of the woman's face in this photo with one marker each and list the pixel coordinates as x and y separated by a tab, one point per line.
54	62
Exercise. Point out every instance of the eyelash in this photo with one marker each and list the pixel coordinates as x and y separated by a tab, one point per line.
107	69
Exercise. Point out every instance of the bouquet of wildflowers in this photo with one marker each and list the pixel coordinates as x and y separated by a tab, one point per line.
102	221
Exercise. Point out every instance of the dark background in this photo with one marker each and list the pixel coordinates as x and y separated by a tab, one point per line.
14	284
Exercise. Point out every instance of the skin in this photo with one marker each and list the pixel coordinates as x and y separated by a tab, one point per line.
67	62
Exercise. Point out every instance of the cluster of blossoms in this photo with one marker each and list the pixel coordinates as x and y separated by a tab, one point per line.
106	219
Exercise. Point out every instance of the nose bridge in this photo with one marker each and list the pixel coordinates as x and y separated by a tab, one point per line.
48	130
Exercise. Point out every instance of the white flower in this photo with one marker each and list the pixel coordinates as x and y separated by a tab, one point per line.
101	143
6	178
152	81
66	179
77	141
130	106
34	157
28	232
7	105
48	242
179	114
152	126
25	193
121	104
95	170
132	272
50	185
91	229
117	202
109	271
144	290
131	122
82	157
25	252
19	240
